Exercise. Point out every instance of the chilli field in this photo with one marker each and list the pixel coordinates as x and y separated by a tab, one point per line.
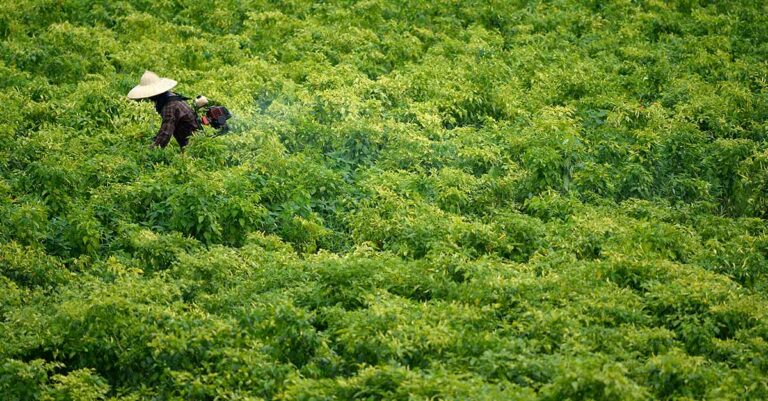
418	200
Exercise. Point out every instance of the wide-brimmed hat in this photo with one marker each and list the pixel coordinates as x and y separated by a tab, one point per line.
151	85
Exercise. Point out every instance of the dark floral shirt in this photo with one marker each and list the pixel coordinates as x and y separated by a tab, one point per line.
179	121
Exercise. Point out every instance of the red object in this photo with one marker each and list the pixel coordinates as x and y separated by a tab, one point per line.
205	120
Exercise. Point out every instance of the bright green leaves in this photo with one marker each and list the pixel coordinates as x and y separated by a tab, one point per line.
36	379
31	267
595	379
753	184
65	53
152	250
418	200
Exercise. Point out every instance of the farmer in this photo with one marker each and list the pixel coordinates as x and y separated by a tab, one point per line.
179	120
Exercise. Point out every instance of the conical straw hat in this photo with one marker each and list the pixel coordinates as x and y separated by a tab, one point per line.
151	85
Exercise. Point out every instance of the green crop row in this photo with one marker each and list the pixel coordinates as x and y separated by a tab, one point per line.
422	200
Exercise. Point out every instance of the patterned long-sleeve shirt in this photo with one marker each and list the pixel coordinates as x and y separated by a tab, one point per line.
179	121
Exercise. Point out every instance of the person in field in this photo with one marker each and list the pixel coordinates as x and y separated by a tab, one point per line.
179	120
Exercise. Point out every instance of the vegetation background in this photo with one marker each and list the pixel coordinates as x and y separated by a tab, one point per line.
420	200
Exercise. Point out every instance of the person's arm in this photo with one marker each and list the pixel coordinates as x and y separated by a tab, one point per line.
169	114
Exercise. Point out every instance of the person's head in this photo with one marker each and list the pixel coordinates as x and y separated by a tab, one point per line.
151	86
158	97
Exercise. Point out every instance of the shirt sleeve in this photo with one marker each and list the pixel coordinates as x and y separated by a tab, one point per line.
170	117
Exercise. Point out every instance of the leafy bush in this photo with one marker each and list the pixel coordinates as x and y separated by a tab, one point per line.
455	200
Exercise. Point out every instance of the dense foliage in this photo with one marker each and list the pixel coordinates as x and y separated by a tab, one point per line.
453	200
